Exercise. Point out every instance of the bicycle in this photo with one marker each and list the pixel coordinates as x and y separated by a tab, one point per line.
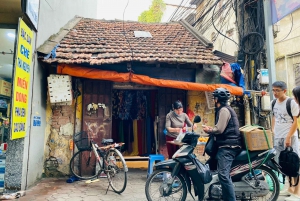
91	160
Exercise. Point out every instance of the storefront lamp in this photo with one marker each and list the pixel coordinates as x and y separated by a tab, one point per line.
11	35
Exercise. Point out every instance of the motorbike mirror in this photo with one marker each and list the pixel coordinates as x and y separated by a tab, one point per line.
197	119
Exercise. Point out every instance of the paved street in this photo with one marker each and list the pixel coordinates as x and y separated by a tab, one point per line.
58	190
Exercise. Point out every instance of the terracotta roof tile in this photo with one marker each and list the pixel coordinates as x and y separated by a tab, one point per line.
103	42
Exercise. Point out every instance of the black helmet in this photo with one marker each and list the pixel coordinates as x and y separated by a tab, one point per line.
222	94
177	105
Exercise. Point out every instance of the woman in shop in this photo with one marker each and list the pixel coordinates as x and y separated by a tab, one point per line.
175	123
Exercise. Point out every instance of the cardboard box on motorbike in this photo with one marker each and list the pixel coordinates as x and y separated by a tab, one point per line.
255	138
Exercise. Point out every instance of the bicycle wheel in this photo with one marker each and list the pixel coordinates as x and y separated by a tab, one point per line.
84	164
116	170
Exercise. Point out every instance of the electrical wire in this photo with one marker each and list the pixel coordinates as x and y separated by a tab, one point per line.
222	25
208	23
217	29
205	14
125	33
181	14
175	11
289	31
226	29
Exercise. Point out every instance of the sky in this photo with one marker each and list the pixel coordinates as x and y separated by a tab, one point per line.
114	9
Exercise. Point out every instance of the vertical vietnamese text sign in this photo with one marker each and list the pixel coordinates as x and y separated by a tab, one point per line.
21	81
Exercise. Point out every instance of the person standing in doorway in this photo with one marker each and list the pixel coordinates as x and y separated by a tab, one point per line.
175	121
284	128
228	140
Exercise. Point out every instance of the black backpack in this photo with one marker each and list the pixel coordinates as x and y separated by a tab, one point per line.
289	162
289	111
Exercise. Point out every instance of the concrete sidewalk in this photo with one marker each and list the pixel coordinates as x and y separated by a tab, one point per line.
57	189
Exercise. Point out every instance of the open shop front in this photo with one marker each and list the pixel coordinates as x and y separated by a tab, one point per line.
7	38
130	113
132	108
133	120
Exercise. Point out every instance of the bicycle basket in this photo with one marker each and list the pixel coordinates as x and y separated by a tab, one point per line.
82	141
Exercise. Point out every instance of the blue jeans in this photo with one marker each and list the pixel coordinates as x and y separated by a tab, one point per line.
225	157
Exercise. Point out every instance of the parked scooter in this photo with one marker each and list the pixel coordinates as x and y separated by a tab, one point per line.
174	177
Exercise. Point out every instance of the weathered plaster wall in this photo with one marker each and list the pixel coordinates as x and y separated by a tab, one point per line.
59	136
197	104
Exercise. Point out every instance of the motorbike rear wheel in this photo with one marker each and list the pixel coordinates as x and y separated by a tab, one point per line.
273	184
158	182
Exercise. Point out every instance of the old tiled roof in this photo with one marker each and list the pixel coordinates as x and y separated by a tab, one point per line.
97	42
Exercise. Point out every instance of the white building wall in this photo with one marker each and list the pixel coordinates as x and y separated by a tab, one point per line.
224	26
287	50
52	16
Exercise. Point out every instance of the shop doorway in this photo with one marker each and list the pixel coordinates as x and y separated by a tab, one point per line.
134	115
7	38
133	120
7	52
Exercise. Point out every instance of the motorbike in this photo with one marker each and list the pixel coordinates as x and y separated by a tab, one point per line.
172	179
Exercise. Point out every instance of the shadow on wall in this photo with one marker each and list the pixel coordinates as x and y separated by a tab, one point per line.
208	74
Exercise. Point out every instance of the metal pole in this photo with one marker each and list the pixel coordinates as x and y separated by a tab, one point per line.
269	44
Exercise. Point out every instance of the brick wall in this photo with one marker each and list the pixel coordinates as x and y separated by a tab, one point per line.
61	115
58	142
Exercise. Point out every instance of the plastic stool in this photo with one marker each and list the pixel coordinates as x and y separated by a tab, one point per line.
152	160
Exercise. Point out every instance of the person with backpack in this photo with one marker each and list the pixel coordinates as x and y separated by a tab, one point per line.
284	126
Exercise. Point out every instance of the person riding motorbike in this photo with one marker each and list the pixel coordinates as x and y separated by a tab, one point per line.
228	139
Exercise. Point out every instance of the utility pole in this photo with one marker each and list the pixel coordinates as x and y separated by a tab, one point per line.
269	45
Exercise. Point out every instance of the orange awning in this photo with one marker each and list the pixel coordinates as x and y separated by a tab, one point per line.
92	73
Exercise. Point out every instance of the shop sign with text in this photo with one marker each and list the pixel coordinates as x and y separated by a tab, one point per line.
21	81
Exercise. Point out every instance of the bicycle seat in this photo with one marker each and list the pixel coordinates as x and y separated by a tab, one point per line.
107	141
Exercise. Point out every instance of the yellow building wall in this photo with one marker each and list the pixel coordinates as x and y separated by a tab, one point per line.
197	105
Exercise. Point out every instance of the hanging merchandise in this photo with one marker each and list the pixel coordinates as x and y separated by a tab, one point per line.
232	74
133	120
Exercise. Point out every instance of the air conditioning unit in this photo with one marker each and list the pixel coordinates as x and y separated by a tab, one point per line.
210	100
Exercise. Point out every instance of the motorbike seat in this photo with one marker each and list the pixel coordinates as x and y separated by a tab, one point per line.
107	141
243	155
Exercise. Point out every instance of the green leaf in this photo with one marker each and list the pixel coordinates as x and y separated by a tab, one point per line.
155	12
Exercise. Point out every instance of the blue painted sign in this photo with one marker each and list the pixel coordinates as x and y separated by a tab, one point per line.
36	121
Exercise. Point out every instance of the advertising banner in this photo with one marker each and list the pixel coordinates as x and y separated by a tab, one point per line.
32	11
281	8
21	81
